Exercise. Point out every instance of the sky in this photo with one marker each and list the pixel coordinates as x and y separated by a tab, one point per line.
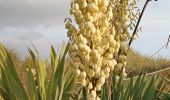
41	22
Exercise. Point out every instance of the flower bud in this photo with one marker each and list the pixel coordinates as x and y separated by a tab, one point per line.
122	58
76	59
117	78
112	44
72	11
102	73
83	82
98	98
98	87
89	17
93	94
77	72
88	25
92	8
124	47
107	76
91	73
75	65
76	6
112	50
124	37
108	55
84	4
118	67
114	62
81	66
90	86
107	70
82	75
68	24
82	39
101	80
124	75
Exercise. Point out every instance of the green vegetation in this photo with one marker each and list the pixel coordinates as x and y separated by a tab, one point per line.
38	86
60	85
136	63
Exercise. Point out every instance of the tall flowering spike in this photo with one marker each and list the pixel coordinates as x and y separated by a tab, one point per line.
98	44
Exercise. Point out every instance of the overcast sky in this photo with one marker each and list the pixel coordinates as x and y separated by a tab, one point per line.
42	23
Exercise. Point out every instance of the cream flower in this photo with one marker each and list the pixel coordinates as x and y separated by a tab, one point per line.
89	17
92	8
82	75
76	6
88	25
84	4
109	55
122	58
90	86
91	73
101	80
77	72
82	39
93	94
83	82
98	98
98	86
117	78
97	43
107	70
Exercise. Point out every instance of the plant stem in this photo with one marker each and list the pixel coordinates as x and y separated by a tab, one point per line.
138	22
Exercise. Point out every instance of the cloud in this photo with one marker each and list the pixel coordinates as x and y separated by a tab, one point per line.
42	22
36	21
21	41
30	35
20	34
30	13
21	38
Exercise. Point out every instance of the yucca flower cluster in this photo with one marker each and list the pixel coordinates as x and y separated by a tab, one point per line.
98	43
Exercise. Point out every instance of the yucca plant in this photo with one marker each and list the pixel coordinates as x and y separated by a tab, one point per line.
166	93
39	87
140	88
60	83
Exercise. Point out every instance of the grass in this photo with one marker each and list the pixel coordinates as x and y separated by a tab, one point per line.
137	62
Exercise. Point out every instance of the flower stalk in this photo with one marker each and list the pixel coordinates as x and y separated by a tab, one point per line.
98	43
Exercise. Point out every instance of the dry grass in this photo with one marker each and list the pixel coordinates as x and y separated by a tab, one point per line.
137	62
